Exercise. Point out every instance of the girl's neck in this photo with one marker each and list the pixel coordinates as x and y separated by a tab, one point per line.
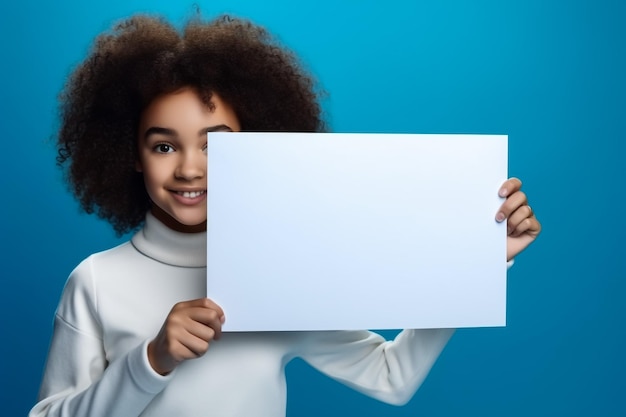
173	224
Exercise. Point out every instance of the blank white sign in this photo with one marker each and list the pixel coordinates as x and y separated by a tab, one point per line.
325	231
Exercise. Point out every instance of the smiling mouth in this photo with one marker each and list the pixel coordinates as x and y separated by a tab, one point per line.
190	194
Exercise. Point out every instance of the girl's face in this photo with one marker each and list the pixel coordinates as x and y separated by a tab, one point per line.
173	155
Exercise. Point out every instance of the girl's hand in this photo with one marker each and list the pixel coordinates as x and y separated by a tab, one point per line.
522	225
186	334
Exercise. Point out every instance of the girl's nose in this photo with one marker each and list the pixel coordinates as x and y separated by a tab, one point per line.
191	166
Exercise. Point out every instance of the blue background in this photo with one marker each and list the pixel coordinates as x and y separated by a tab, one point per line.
550	74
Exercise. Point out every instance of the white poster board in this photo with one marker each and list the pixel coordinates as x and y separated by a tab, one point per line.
324	231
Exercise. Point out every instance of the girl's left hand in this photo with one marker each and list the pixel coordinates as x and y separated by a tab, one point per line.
522	225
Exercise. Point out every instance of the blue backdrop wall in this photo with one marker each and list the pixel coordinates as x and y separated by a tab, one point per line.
550	74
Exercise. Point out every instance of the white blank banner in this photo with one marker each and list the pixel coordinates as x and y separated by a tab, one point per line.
325	231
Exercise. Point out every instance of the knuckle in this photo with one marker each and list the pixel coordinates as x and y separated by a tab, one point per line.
212	315
178	306
173	322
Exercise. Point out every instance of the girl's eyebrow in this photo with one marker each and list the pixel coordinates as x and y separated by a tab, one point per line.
155	130
216	128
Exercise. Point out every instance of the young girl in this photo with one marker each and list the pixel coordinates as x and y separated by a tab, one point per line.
135	115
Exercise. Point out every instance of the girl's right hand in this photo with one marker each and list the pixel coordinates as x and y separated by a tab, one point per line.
186	334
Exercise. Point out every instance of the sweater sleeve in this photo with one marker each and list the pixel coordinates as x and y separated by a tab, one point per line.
390	371
78	381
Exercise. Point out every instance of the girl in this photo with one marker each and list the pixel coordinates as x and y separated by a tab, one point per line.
134	118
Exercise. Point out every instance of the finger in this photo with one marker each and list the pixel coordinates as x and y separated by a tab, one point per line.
521	228
512	203
209	304
201	303
190	340
518	216
201	330
207	318
529	226
190	347
172	347
214	306
510	186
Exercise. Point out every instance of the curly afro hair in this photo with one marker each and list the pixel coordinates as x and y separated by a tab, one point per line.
144	57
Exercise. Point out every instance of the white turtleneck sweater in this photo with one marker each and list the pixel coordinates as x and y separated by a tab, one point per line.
116	301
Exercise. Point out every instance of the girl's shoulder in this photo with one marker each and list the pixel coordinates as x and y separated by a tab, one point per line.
92	281
83	281
99	263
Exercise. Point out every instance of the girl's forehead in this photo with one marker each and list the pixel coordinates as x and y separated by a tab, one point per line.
184	108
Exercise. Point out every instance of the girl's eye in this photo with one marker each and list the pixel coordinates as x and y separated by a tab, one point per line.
163	148
204	148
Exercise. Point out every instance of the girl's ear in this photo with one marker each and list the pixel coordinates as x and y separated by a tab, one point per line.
138	166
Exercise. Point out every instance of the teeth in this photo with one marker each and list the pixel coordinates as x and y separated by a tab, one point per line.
191	194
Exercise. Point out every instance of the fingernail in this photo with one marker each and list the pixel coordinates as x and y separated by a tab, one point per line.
500	217
222	319
503	192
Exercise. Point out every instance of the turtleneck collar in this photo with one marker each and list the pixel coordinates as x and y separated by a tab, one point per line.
163	244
